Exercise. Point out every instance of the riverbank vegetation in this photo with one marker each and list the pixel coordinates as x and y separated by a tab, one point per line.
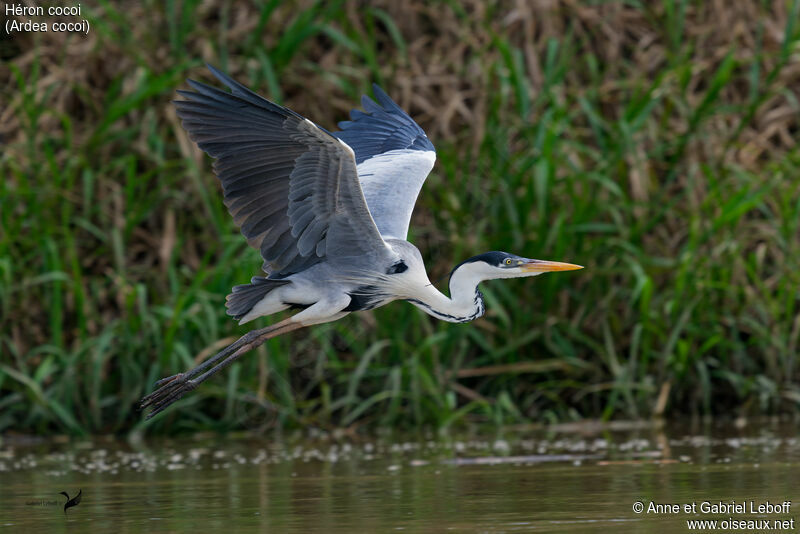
655	143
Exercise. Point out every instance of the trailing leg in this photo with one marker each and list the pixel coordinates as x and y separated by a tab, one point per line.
172	388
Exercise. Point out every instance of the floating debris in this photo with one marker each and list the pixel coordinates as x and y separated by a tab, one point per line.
636	446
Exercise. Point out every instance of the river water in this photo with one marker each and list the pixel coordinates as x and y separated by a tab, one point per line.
623	477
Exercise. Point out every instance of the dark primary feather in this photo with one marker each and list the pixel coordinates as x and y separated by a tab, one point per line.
290	186
381	127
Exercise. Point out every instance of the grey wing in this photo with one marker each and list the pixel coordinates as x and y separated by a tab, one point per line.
290	185
394	157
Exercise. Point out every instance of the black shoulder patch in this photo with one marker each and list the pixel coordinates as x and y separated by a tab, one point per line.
399	267
363	298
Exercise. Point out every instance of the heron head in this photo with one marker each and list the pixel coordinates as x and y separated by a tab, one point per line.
497	264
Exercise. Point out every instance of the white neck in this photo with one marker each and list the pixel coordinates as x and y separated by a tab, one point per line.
465	302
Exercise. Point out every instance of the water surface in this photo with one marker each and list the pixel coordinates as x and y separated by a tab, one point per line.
573	478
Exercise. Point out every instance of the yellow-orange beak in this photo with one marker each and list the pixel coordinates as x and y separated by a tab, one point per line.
542	266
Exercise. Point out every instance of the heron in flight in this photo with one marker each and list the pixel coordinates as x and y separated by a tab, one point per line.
329	212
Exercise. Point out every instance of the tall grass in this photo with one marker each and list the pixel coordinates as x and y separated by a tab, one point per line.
638	139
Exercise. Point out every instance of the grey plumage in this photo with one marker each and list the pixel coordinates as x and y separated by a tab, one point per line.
383	126
329	214
244	297
289	185
394	157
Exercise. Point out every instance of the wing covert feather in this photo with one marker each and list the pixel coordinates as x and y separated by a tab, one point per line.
394	157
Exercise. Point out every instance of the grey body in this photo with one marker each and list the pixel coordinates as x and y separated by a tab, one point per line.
399	276
329	218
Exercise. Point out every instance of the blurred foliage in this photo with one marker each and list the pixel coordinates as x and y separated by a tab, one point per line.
653	142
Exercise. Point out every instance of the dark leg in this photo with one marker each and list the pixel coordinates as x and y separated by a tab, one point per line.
174	387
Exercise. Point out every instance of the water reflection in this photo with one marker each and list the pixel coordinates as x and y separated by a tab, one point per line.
567	479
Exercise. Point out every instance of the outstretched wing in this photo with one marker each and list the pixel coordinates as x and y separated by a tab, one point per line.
290	185
394	157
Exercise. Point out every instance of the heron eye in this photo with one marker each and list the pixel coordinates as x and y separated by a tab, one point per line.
508	261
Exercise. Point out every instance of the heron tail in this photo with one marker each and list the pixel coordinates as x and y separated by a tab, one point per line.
245	296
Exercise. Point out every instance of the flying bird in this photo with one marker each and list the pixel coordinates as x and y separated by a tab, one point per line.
75	501
329	212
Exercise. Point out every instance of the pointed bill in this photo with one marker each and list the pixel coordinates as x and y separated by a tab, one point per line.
542	266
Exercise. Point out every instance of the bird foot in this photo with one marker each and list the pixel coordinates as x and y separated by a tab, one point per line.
170	390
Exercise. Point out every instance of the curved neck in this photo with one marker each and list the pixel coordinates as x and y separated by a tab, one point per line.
465	302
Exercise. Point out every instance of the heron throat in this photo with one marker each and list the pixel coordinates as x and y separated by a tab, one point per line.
465	302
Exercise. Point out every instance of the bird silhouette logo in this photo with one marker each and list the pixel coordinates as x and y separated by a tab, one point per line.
73	501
